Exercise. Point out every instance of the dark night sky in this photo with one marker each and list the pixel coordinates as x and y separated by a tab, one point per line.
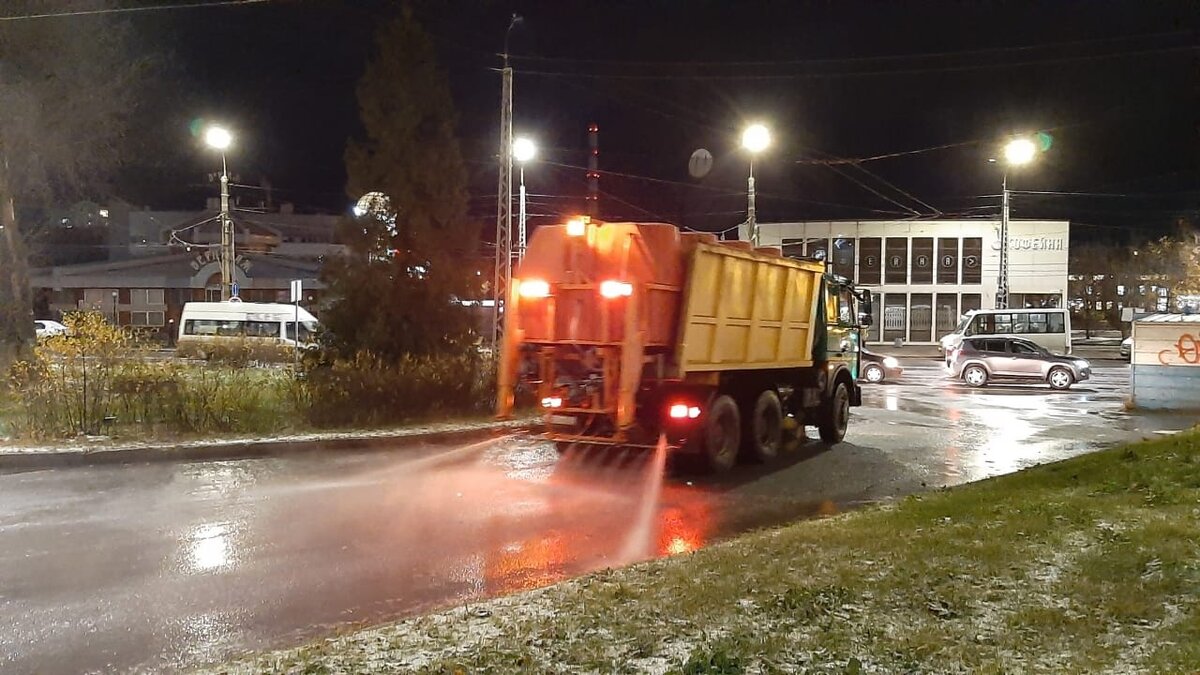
664	78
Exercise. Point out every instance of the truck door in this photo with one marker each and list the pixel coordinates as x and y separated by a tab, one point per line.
841	320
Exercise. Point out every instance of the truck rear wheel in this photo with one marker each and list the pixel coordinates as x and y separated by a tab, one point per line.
722	435
764	434
835	416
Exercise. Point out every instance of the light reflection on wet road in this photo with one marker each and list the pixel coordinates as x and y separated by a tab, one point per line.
171	565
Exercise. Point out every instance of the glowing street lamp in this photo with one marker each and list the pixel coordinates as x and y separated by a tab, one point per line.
755	139
1017	152
523	150
219	138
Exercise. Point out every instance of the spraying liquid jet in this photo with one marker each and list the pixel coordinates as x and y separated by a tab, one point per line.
461	453
639	545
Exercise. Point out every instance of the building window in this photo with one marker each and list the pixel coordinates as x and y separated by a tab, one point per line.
153	319
817	248
843	258
947	313
972	257
947	261
920	316
870	261
971	302
896	257
143	297
922	260
894	313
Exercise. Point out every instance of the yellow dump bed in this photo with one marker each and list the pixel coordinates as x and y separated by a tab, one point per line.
744	309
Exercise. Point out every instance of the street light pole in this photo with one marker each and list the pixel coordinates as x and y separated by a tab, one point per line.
227	251
751	216
523	150
755	139
1017	152
219	138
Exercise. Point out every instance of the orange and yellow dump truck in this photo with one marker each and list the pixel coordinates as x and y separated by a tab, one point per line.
633	331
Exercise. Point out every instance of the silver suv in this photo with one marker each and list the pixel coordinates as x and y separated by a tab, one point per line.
980	360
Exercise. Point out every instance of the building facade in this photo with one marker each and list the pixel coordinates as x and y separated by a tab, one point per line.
160	260
926	274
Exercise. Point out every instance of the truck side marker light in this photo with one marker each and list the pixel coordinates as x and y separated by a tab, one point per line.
616	289
534	288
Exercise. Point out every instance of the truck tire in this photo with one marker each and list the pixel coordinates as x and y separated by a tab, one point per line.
836	415
763	435
722	435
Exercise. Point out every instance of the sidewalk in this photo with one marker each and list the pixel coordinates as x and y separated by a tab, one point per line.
96	450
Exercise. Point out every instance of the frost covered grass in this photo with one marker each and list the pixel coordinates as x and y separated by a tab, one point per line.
1088	565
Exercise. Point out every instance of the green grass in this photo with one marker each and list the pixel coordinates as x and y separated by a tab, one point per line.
1088	565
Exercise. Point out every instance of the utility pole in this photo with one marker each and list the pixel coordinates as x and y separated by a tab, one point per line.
593	173
1002	280
504	249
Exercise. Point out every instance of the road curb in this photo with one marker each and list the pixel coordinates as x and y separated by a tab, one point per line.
249	449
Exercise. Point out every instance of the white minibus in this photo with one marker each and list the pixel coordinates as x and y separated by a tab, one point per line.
1049	327
204	325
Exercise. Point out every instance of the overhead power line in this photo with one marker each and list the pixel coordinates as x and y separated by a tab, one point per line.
853	59
126	10
727	193
862	73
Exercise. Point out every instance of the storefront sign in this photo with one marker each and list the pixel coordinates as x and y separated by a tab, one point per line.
212	256
1033	244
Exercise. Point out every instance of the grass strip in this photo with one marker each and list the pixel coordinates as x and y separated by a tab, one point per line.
1086	565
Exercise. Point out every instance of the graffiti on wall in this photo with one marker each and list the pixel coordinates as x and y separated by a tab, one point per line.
1185	351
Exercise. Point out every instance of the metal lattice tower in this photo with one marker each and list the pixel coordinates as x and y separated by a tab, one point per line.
1002	280
504	248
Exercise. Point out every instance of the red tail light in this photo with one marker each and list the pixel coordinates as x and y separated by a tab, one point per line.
681	411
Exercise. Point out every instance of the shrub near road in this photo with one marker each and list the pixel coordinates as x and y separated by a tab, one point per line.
1088	565
99	381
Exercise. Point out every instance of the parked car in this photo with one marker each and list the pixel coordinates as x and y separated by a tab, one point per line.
1127	348
876	368
46	328
981	360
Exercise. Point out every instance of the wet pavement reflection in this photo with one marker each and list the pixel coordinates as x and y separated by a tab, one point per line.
166	566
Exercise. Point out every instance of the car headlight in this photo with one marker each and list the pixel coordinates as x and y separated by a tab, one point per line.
1082	365
890	362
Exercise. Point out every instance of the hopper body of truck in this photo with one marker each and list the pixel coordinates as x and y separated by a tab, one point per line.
634	331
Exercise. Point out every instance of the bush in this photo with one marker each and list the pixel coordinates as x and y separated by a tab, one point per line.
96	380
369	391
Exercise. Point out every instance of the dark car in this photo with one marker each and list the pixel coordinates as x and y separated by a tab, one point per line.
981	360
876	368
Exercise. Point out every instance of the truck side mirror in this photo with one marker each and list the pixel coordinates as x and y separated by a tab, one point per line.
866	310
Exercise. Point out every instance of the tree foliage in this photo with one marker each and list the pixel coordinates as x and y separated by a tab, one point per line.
393	293
67	89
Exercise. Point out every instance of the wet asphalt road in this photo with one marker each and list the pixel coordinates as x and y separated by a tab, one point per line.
165	566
